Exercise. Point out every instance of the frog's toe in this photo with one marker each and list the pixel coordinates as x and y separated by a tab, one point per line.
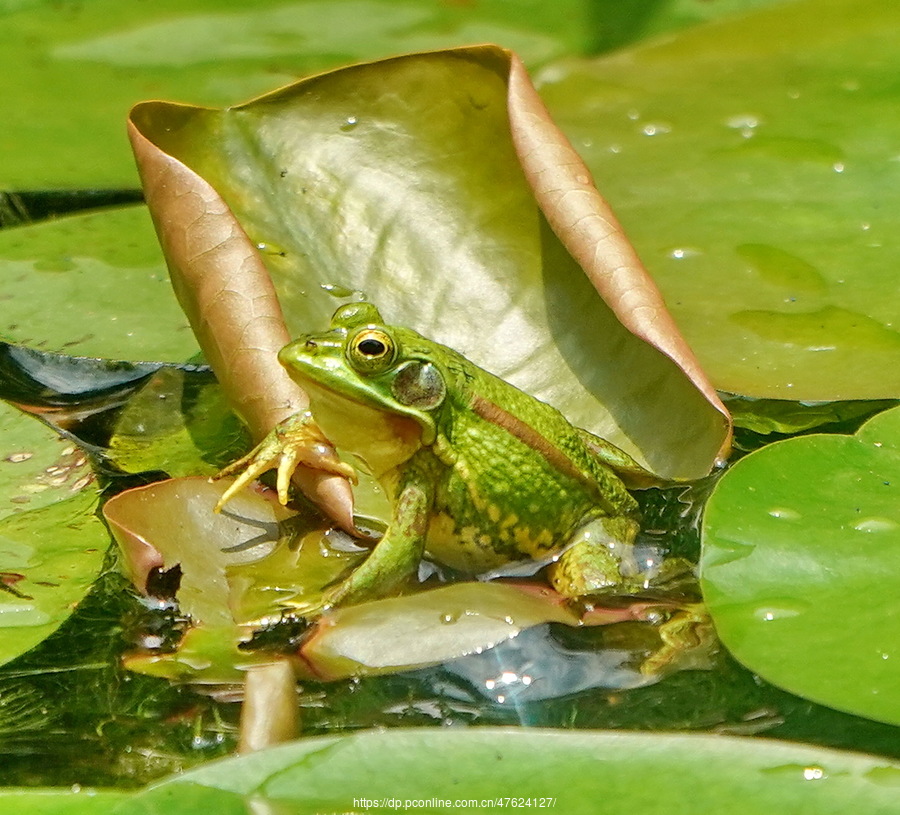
245	470
294	442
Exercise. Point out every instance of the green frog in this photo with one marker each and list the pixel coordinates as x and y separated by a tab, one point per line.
480	474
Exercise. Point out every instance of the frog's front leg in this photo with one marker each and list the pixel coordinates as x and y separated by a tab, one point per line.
295	441
598	559
396	556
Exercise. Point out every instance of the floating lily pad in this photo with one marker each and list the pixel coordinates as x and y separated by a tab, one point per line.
253	557
428	628
70	72
254	562
91	285
51	542
60	801
753	162
628	772
801	566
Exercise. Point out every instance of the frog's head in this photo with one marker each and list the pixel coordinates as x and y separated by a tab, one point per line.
362	360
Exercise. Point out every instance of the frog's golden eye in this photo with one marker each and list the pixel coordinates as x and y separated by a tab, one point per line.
371	351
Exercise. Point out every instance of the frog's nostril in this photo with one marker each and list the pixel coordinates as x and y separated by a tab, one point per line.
310	345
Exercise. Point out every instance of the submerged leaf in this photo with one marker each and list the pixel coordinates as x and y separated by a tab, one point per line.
402	180
801	566
179	423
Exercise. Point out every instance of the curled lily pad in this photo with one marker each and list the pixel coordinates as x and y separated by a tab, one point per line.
433	184
801	566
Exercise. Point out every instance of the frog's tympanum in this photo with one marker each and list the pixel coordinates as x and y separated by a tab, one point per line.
480	474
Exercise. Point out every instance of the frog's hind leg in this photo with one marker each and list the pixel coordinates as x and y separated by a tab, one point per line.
599	558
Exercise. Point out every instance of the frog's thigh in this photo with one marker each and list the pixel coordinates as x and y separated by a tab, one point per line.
598	558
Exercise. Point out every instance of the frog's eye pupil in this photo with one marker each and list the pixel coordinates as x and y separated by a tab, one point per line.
372	348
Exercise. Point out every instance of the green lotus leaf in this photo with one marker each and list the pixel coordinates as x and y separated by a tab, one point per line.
627	772
753	162
52	544
91	285
177	423
427	183
801	566
70	74
60	801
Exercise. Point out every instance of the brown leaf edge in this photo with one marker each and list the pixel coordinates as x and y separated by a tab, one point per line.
228	295
587	227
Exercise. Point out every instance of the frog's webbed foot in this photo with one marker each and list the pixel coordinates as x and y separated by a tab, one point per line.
295	441
687	638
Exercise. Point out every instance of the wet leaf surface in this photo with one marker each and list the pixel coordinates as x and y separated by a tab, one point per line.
91	285
61	802
752	162
801	566
70	73
43	574
690	774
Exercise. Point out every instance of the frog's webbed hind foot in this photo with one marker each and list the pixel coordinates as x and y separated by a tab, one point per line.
295	441
599	560
687	638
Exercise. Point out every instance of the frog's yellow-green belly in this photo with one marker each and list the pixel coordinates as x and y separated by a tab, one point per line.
496	507
473	549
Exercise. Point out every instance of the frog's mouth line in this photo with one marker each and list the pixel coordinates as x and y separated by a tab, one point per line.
326	386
